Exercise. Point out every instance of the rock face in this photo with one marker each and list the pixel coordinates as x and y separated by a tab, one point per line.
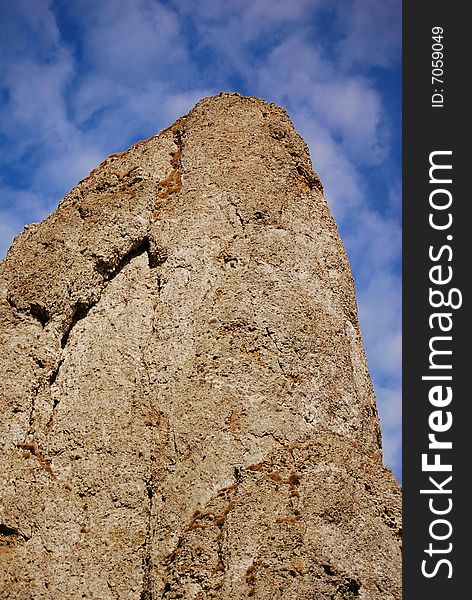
186	410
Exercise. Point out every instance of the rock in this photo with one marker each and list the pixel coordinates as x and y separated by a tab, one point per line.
186	406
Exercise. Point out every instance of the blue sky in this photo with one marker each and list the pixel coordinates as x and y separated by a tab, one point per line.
81	79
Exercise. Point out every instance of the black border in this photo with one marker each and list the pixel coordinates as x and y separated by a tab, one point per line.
427	129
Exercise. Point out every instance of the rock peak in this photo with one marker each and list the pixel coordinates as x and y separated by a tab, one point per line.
187	410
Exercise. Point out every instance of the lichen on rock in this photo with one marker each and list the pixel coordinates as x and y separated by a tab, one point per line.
186	405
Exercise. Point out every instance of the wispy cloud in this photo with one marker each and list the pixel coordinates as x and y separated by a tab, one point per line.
371	33
80	80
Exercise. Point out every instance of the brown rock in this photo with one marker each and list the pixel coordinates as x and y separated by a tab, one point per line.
186	406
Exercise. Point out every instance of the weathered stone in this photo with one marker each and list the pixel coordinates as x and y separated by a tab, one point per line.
186	406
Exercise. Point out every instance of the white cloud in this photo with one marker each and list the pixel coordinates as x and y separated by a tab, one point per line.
380	316
17	208
298	75
36	105
10	227
140	40
373	32
242	22
390	408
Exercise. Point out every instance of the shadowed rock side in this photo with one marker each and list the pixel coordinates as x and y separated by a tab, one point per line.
186	407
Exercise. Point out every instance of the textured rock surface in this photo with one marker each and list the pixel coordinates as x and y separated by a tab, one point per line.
186	407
